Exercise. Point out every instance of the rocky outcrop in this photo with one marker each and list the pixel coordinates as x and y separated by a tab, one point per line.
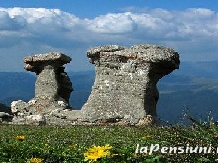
125	85
52	91
124	92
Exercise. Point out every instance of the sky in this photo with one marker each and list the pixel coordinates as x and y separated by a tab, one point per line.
29	27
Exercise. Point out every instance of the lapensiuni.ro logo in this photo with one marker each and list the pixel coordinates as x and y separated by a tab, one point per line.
175	150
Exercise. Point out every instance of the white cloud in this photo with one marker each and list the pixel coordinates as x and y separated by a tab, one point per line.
9	23
32	30
113	24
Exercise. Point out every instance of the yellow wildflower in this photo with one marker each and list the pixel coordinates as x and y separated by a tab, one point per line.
20	137
97	152
36	160
145	137
215	136
134	155
72	146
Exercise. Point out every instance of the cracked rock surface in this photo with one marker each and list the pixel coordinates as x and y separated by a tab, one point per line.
52	92
125	88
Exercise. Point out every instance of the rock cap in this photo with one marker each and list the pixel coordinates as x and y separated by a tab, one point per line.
51	56
142	52
105	48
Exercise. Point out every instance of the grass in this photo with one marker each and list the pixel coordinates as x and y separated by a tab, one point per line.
52	144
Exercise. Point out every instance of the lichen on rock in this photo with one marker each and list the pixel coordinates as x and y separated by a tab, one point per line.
124	91
125	84
52	91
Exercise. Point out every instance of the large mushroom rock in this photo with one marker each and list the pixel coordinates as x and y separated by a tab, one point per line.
52	92
125	88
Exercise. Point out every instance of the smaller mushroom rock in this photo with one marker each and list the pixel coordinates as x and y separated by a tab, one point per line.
52	81
52	91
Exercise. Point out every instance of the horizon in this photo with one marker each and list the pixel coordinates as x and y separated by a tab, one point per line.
72	27
93	69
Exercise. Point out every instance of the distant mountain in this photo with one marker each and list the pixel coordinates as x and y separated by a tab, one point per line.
15	86
21	86
82	85
207	69
193	86
4	108
198	94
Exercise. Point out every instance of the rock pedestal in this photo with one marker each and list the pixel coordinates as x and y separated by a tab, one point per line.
124	92
52	91
52	82
125	85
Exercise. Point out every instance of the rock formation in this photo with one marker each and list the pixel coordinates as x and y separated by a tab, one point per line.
52	81
125	85
52	91
124	92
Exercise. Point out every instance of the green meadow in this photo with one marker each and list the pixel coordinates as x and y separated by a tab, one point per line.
112	144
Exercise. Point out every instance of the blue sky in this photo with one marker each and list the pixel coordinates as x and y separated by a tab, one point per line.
73	26
94	8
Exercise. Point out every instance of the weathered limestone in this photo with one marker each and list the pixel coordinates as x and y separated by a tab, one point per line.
52	91
52	81
125	89
124	92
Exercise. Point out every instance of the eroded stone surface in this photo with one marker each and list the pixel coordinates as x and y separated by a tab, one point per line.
52	81
52	91
124	92
125	84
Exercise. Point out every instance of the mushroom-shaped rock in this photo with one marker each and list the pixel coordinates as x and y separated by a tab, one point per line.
52	91
125	84
51	81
